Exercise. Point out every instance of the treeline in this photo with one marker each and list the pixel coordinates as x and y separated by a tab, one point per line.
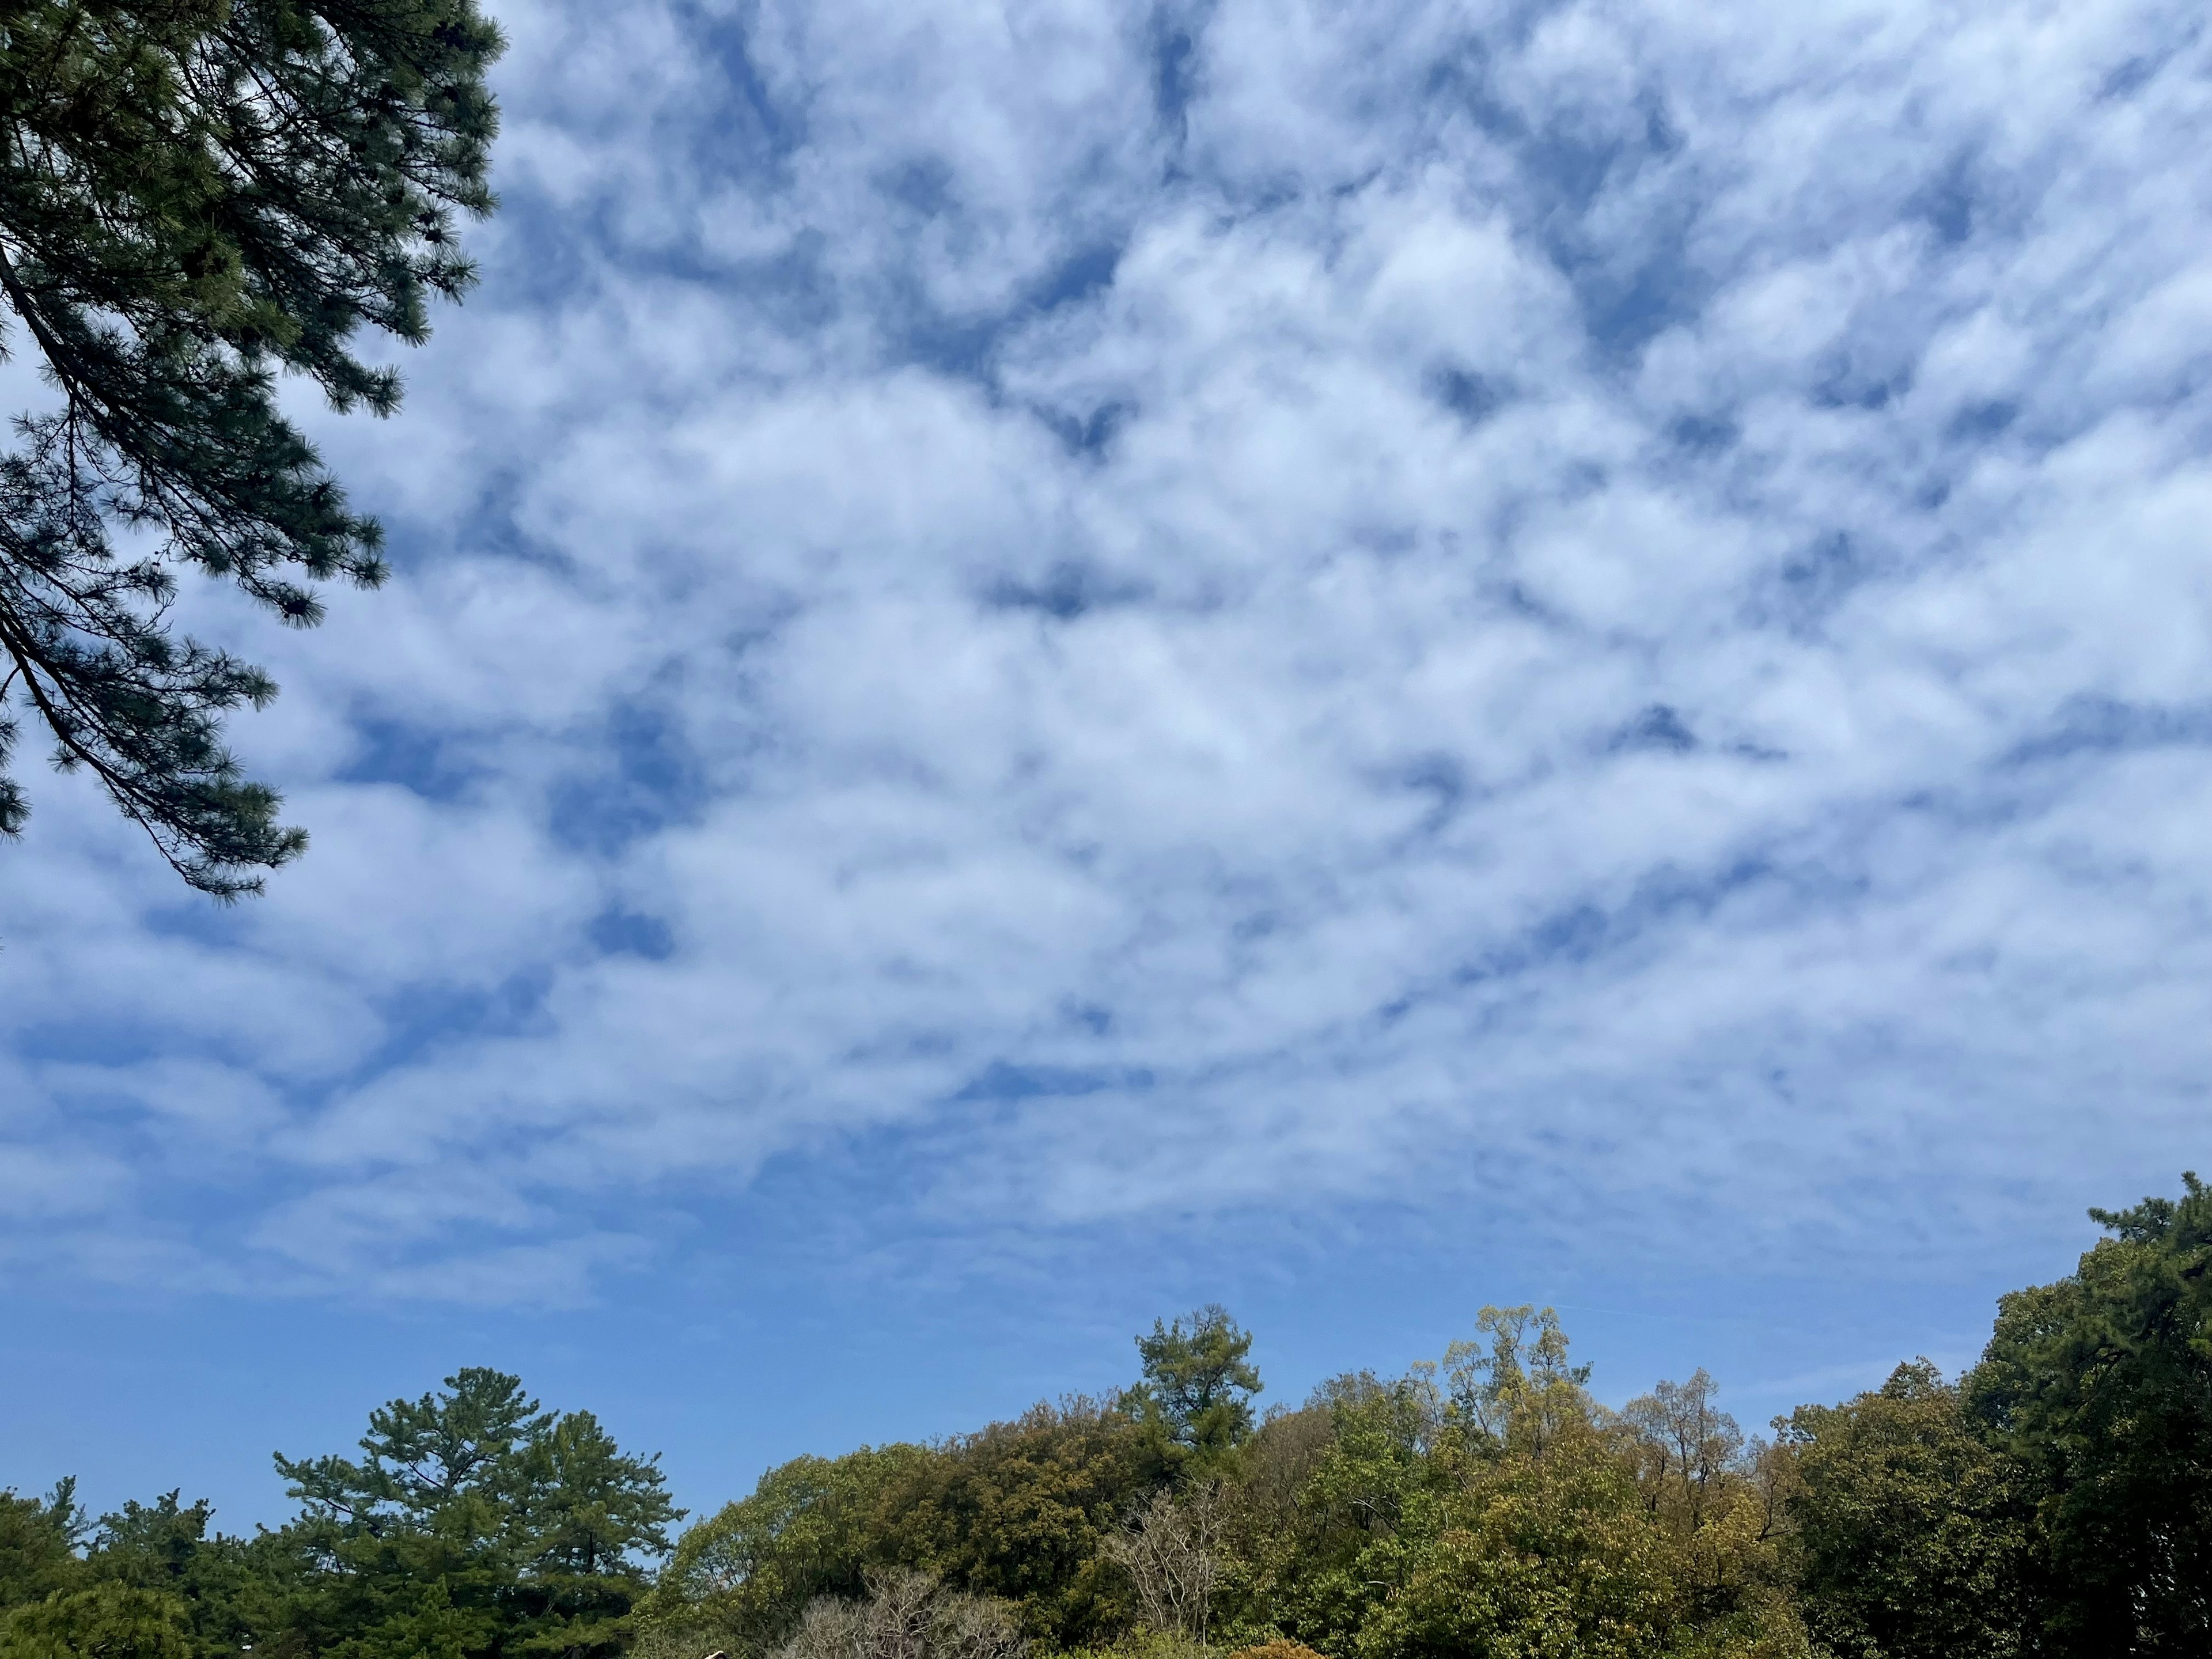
2056	1500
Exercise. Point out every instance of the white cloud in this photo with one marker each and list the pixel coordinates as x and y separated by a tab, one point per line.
1607	604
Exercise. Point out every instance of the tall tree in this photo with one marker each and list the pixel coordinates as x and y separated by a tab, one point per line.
1017	1511
1913	1533
1362	1491
39	1540
1199	1382
1020	1510
2101	1384
196	195
741	1578
1514	1390
166	1548
1718	1497
474	1527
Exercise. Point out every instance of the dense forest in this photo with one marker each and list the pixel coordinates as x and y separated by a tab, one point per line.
2056	1500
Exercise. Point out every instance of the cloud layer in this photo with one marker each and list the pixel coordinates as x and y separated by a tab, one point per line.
1600	611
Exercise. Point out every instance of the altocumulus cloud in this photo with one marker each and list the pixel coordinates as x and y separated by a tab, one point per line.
1159	609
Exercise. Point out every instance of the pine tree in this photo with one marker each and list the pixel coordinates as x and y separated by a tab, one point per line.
475	1526
1198	1388
195	195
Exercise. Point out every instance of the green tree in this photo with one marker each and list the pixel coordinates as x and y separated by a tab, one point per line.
1486	1505
1527	1535
1912	1534
811	1528
426	1455
2101	1384
1199	1382
1549	1555
166	1547
195	195
1020	1511
1366	1495
106	1621
585	1511
39	1540
1015	1512
1516	1391
1718	1498
476	1525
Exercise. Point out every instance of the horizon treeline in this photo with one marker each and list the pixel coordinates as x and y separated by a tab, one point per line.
2054	1500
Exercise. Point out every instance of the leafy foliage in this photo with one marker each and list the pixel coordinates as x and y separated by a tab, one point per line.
1021	1510
2101	1387
1017	1511
1912	1534
196	195
1488	1504
812	1529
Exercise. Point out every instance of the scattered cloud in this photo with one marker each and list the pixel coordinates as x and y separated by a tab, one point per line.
1150	609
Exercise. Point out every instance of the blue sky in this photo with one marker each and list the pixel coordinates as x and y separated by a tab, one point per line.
1049	661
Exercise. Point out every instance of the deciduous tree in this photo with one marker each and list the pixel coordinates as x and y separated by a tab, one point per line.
1911	1532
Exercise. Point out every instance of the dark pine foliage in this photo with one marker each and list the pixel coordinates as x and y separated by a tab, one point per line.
196	195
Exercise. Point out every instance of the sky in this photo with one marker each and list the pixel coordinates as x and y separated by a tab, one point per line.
1050	661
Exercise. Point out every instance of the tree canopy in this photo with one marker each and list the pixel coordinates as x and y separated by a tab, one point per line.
475	1524
2100	1386
197	195
1199	1382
